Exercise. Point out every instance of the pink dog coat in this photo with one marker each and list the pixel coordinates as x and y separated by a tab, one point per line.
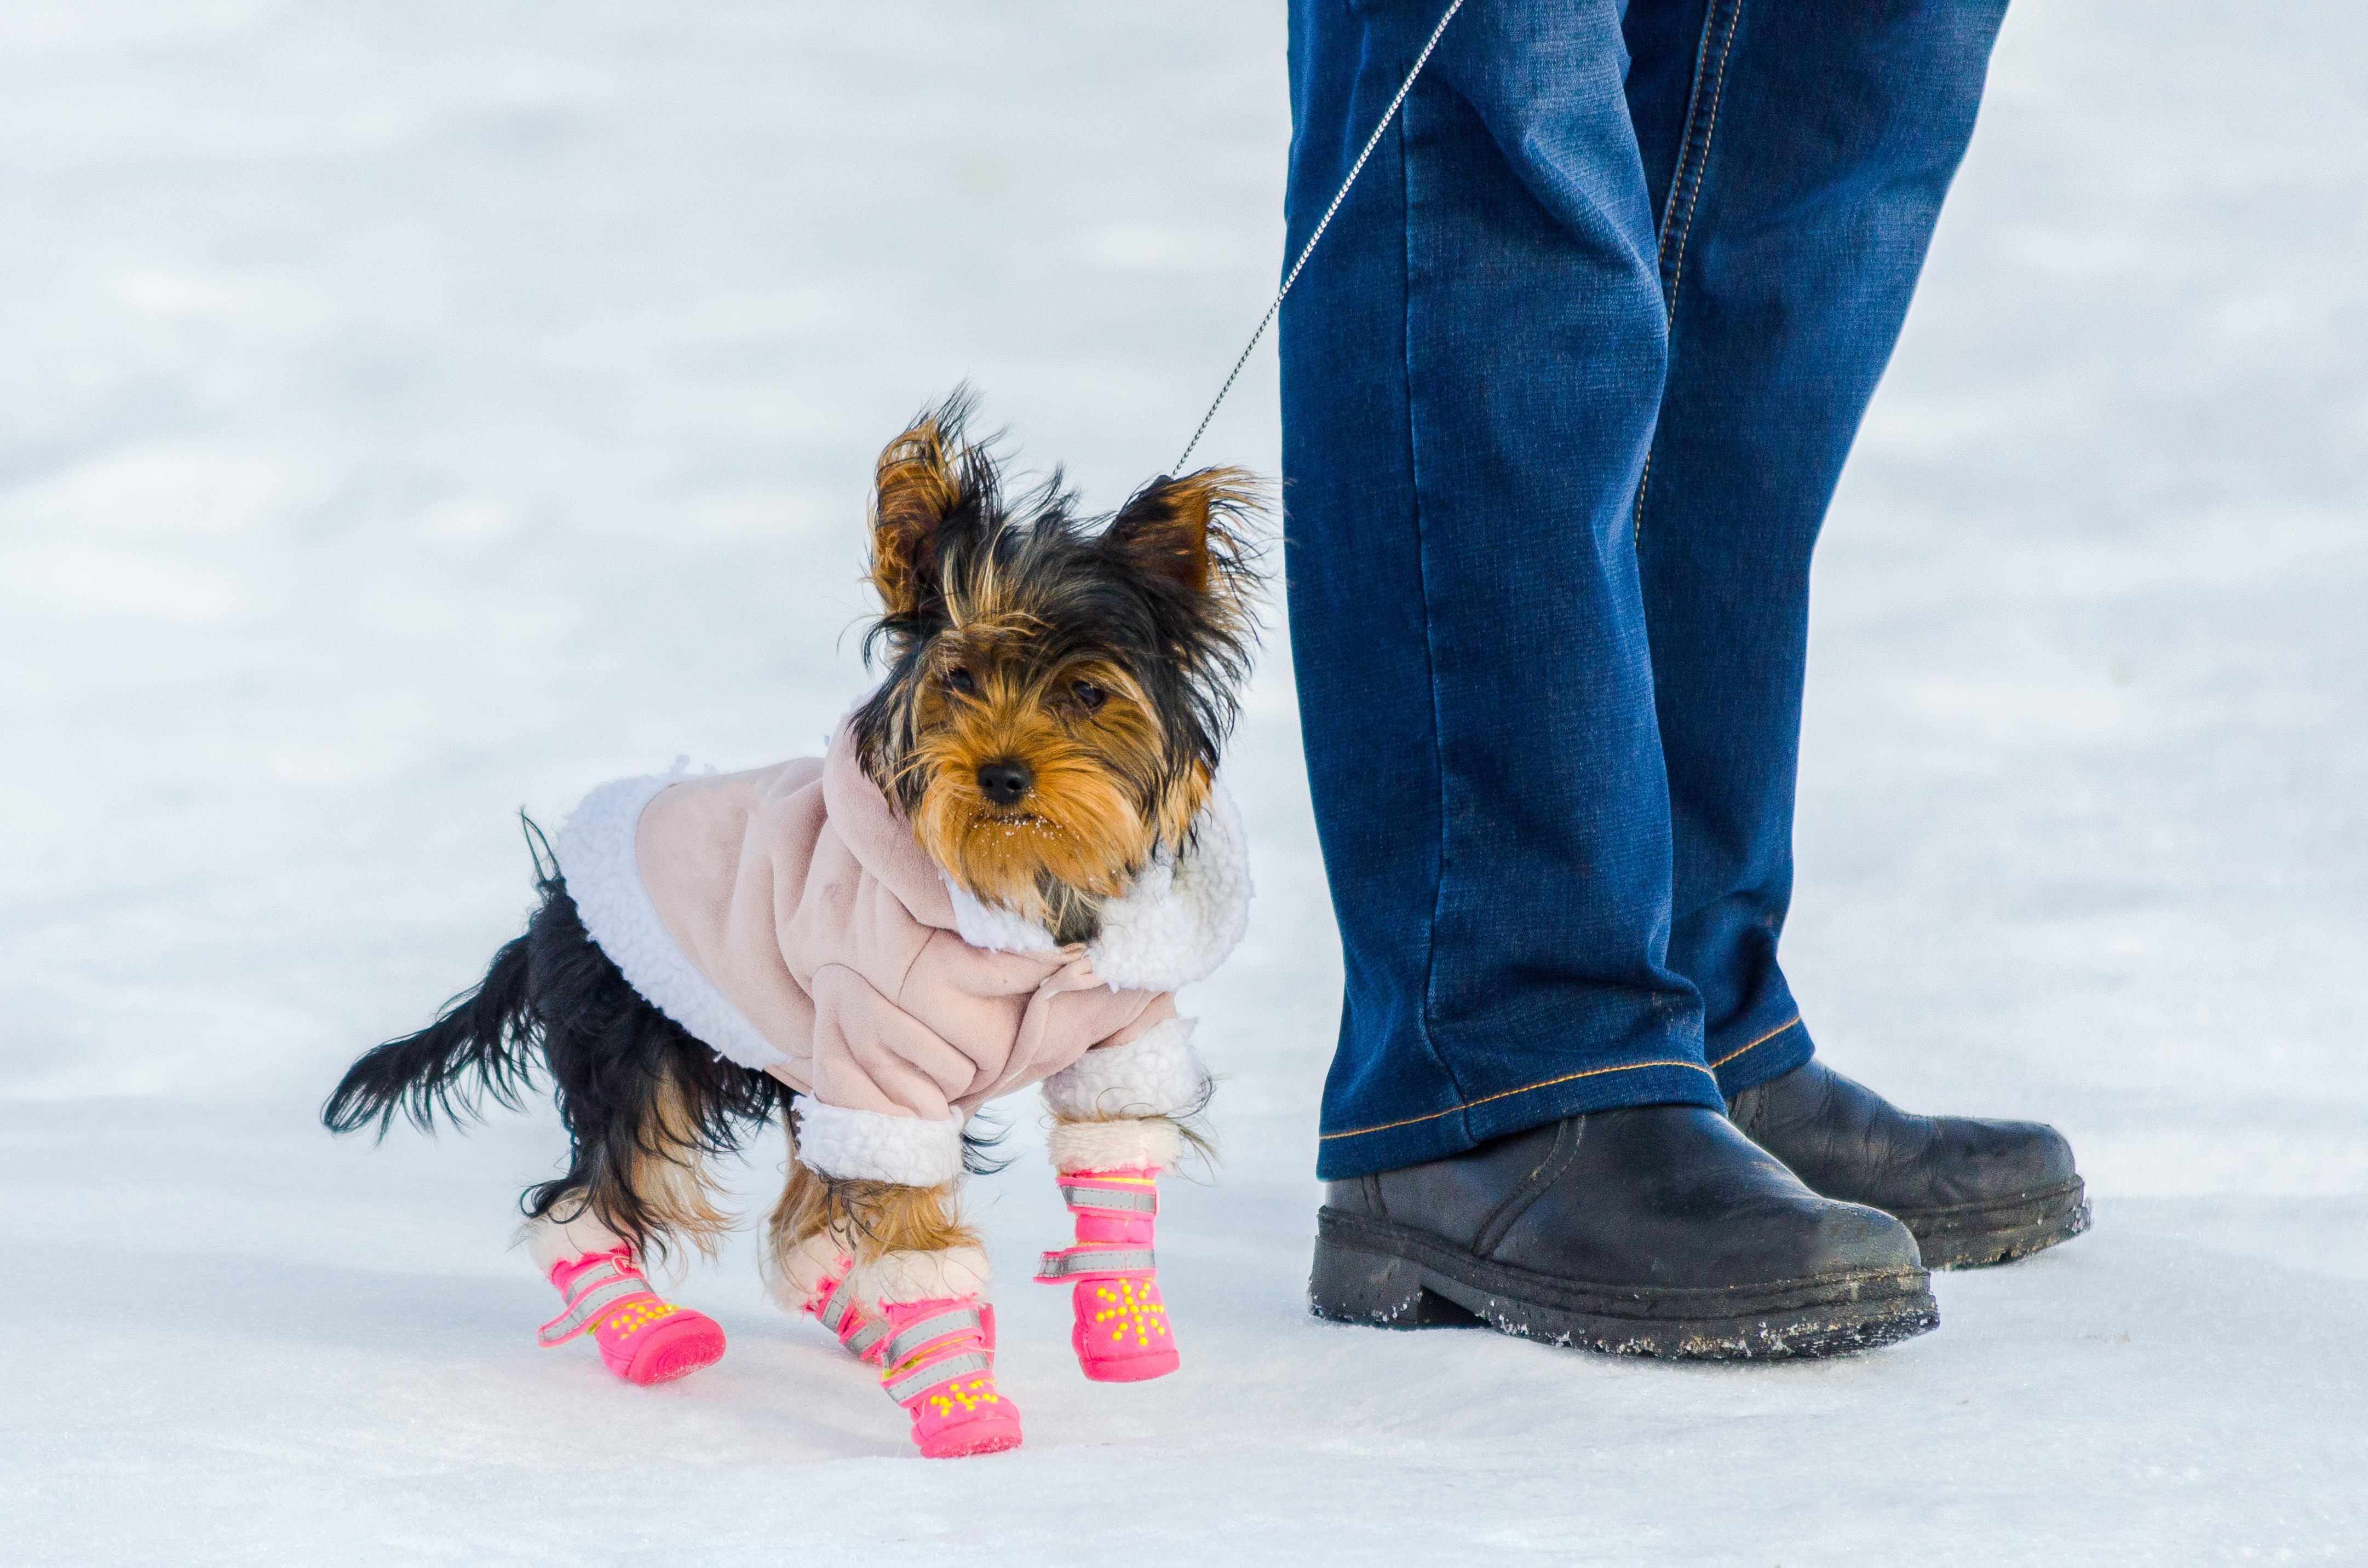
786	917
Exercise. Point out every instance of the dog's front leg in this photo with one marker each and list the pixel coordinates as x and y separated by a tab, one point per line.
809	1253
892	1269
920	1276
1117	1123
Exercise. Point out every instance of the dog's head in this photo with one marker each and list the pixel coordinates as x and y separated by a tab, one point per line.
1057	690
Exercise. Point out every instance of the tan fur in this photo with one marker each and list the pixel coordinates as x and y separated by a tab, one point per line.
1118	1142
670	1175
804	1211
876	1216
1080	828
916	485
883	1216
1083	832
1172	529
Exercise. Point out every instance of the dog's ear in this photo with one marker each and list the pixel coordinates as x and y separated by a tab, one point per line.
927	479
1183	530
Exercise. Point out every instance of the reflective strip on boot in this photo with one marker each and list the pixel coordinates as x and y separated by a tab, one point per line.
1086	1260
913	1338
860	1334
835	1314
922	1380
1134	1198
591	1293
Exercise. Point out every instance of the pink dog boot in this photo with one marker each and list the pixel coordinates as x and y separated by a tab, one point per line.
862	1334
1121	1334
642	1338
938	1368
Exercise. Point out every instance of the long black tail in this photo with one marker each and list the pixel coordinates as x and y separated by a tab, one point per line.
485	1043
642	1100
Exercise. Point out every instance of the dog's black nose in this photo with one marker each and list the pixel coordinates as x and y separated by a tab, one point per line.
1005	783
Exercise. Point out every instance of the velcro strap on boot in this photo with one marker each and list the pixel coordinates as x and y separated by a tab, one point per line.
1112	1195
1088	1261
589	1294
934	1349
915	1338
839	1315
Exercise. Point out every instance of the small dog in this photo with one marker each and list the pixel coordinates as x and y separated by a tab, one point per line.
1013	853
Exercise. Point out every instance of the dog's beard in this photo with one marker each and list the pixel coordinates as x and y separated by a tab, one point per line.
1054	859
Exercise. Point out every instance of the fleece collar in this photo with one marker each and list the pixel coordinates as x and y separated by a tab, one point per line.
1174	926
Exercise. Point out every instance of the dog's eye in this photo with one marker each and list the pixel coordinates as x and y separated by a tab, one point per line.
958	679
1089	696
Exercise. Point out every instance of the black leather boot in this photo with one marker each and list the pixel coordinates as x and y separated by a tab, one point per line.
1974	1192
1649	1231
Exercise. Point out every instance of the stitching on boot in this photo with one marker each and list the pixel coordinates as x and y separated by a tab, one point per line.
1569	1133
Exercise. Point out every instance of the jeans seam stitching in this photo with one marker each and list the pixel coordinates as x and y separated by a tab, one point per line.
1509	1093
1701	164
1792	1023
1694	169
1422	562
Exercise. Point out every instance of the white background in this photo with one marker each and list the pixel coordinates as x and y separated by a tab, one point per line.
413	411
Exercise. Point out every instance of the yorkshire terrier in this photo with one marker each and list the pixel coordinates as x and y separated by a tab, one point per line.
1011	855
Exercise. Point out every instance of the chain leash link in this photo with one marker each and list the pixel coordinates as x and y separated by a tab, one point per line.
1324	222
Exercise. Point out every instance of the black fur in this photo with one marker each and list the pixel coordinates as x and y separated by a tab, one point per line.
553	1000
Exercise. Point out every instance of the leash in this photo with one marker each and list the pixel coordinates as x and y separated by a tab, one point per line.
1307	250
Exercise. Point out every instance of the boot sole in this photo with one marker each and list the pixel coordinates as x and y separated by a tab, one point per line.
1976	1236
975	1437
1369	1271
670	1353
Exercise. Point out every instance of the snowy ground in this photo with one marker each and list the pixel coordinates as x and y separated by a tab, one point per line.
410	411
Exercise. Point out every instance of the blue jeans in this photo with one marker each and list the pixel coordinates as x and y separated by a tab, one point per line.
1566	389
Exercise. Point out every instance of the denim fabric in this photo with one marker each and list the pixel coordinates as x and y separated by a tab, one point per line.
1566	389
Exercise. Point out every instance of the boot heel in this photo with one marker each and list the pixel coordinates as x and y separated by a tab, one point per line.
1350	1286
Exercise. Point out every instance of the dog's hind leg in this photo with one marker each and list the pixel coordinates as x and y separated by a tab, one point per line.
1118	1121
640	1157
642	1337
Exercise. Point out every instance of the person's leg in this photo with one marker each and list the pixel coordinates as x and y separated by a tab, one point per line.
1471	368
1520	1123
1797	152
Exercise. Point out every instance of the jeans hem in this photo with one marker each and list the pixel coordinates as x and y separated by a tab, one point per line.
1772	1055
1436	1135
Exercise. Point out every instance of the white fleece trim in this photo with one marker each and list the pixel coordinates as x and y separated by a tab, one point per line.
872	1145
793	1277
1127	1143
957	1272
548	1242
1173	926
992	926
604	878
1154	1074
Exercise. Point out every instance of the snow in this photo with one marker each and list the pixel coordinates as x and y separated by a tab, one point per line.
411	413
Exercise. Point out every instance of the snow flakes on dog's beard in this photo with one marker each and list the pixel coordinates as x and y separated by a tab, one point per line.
1077	828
